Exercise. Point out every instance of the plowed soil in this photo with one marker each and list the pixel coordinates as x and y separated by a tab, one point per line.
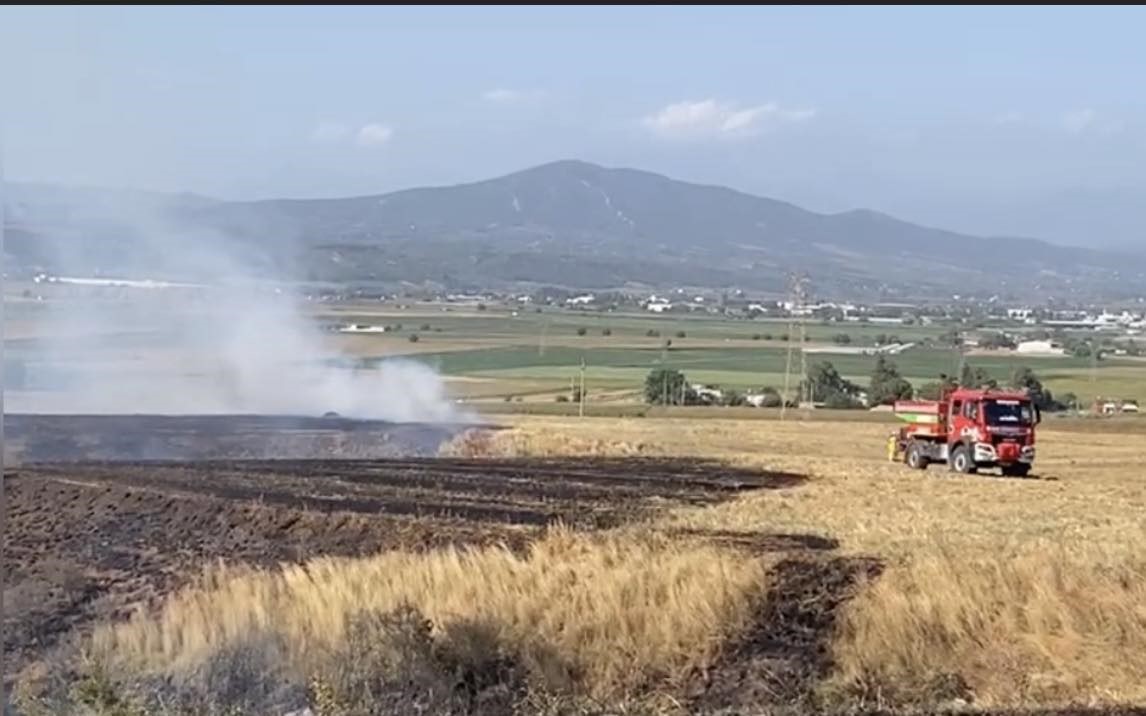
90	540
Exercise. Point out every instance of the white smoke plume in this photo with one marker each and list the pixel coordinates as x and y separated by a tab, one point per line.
231	342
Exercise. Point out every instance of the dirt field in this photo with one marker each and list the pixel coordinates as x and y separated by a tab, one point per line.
719	566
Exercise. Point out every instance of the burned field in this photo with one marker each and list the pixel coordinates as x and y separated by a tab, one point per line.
91	539
42	438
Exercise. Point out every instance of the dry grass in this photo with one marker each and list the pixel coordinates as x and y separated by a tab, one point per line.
1026	591
606	617
1045	623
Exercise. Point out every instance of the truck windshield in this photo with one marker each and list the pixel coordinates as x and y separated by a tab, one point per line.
1008	412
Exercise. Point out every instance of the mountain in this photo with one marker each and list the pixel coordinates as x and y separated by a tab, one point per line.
580	225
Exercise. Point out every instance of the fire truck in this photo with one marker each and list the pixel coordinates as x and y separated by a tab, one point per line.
969	430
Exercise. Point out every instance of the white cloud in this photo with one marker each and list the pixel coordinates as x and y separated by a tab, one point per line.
503	95
1079	120
710	119
329	132
374	135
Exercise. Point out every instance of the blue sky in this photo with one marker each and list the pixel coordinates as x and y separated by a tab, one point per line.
994	120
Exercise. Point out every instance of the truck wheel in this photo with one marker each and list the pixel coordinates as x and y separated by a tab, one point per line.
961	461
1020	469
915	458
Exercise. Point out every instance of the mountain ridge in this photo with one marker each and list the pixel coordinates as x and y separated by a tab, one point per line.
592	226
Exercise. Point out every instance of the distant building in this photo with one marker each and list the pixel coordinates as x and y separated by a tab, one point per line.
707	394
363	328
1020	314
1111	406
1040	348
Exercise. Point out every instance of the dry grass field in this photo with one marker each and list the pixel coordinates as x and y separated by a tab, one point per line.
1018	592
866	585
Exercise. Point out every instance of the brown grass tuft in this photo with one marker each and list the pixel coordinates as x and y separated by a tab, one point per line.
600	616
1048	623
478	443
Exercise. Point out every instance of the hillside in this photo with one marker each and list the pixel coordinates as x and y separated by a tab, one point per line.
584	226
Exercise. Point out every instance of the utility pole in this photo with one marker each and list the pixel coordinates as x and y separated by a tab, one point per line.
581	395
797	297
541	340
788	362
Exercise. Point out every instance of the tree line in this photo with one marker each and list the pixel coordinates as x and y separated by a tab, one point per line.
825	385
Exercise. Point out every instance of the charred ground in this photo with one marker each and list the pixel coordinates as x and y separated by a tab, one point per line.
93	538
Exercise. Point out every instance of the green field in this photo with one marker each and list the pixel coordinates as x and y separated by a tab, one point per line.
499	355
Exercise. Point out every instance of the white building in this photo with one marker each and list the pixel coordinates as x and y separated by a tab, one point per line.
363	328
1019	314
1040	348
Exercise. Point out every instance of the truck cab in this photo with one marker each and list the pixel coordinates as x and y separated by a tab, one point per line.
970	430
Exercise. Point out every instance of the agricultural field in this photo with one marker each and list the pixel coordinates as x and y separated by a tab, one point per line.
583	566
523	356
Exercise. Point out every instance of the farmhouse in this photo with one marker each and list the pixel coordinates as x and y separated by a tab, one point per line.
1040	348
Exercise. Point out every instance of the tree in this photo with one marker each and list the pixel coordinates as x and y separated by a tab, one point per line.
996	341
1025	379
842	339
733	398
681	334
824	383
976	378
666	386
582	331
930	391
413	338
887	385
770	398
606	331
934	390
950	337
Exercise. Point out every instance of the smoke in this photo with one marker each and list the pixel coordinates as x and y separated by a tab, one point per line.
218	328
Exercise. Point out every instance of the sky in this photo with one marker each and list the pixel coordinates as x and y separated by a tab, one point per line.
993	120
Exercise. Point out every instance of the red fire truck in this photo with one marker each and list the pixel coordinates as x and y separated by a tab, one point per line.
969	430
